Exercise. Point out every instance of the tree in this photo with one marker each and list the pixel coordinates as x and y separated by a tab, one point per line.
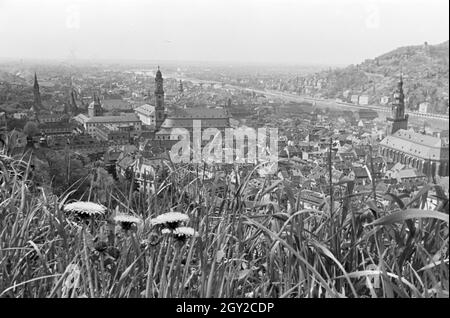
31	129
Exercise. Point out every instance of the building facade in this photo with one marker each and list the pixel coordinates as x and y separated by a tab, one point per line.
428	154
115	122
146	114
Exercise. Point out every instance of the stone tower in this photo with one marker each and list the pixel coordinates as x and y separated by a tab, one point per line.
159	98
398	117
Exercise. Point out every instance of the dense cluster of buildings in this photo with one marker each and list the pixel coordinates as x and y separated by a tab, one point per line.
357	145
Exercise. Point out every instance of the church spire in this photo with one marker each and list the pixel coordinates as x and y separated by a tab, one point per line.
73	108
36	84
37	96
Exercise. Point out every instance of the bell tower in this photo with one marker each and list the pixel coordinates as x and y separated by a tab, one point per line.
159	98
398	117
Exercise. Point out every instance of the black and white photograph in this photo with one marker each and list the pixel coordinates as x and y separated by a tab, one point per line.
244	151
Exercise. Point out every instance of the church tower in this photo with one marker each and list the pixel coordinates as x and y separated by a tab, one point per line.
398	117
180	88
73	104
95	108
159	98
37	105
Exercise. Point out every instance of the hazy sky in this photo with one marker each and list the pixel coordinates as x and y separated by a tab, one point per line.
298	31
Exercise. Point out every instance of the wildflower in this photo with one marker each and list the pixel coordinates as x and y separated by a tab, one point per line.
182	233
126	221
170	220
85	208
166	231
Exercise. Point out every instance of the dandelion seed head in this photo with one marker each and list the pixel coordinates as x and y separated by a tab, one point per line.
185	232
126	218
170	219
87	208
166	231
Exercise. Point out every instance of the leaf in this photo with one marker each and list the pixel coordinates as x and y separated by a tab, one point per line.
396	199
271	188
373	207
409	214
365	273
433	264
328	253
281	216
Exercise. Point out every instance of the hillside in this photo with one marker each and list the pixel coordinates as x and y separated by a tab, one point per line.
425	69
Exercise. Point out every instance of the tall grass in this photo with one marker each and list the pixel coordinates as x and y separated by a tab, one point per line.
245	248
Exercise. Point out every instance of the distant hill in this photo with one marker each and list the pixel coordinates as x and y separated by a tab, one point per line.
425	70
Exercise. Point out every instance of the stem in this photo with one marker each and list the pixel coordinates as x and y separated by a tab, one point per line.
162	284
149	283
88	266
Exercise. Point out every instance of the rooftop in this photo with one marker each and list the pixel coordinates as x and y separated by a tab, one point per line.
115	104
200	113
409	173
145	109
114	119
415	144
189	122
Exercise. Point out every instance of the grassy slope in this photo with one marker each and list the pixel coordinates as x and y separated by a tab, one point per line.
259	248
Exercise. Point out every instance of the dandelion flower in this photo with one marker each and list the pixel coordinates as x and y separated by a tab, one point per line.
126	220
170	220
185	231
166	231
85	208
182	233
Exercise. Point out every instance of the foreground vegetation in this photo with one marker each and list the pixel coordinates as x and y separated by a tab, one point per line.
353	246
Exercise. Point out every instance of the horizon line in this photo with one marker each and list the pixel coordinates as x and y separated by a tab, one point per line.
167	61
